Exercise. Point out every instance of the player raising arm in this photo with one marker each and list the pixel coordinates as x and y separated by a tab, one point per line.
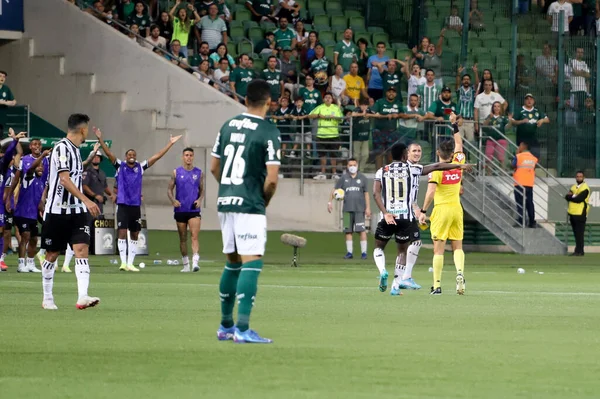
245	163
447	216
129	197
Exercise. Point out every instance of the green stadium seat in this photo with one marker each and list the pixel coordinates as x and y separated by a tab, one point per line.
399	46
316	4
250	24
259	64
236	22
268	26
454	43
322	20
231	49
237	33
319	28
234	7
329	52
339	22
243	15
380	37
375	29
357	23
390	53
332	5
335	13
245	47
302	4
363	35
339	36
352	13
314	13
256	34
401	54
326	35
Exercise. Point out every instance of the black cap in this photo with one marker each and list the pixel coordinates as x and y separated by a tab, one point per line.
392	88
446	88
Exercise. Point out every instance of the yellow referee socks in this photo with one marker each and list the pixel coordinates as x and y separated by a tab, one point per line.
438	265
459	261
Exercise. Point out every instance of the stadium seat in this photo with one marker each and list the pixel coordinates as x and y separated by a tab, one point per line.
255	34
329	52
380	37
237	33
363	35
268	26
321	20
243	15
316	4
259	64
317	12
401	54
250	24
332	5
399	46
357	23
326	35
339	22
232	49
245	47
339	36
375	29
352	13
390	53
319	28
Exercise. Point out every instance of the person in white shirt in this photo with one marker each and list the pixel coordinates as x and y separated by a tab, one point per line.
554	13
155	40
579	73
221	74
453	22
546	65
413	75
484	102
337	87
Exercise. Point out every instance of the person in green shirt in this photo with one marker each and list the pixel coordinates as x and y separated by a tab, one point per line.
283	120
6	100
140	18
273	77
385	132
494	127
284	36
361	132
182	24
346	52
302	132
410	116
262	10
241	76
312	96
329	117
527	120
391	76
267	45
440	111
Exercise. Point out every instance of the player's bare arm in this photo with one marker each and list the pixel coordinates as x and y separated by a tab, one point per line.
198	202
270	183
161	153
443	166
215	168
367	205
10	190
389	218
458	142
42	203
105	148
91	156
170	191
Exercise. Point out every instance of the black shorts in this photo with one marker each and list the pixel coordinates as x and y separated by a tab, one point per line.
8	219
403	231
60	230
27	225
184	217
129	217
328	147
416	232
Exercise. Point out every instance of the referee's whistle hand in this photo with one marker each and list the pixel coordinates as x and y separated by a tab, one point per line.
92	208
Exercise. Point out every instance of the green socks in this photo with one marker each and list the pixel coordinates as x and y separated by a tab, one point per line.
227	287
247	285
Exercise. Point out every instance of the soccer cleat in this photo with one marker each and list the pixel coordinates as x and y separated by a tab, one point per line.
123	267
132	268
48	304
461	284
249	337
186	269
66	269
3	266
196	268
22	269
436	291
383	281
225	334
348	255
409	284
363	256
395	292
87	302
32	269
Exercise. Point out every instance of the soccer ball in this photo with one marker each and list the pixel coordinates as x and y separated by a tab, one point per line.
339	194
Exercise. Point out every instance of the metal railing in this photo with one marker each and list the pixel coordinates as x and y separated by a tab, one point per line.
17	118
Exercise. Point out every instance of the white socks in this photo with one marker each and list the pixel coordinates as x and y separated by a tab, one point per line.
68	256
186	261
363	247
349	246
411	258
122	245
2	257
29	262
379	257
131	252
195	259
47	279
398	271
82	272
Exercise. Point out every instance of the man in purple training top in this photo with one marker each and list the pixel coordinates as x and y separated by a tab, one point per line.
8	215
189	183
27	210
129	197
13	147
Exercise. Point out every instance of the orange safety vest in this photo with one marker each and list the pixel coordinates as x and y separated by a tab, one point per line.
525	172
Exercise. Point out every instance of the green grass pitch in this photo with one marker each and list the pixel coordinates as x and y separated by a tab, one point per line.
336	335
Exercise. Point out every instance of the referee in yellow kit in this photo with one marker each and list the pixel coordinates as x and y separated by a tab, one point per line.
578	198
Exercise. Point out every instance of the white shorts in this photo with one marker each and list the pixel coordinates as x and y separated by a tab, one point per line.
243	233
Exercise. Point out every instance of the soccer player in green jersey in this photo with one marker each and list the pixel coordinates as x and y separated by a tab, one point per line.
245	163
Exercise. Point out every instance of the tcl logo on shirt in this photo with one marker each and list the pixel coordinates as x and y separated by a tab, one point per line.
451	176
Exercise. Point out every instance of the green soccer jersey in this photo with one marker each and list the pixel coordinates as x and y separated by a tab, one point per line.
466	102
245	146
142	22
384	107
392	80
347	54
361	127
283	124
241	77
410	123
428	94
273	78
438	108
318	65
312	98
283	38
499	123
263	7
6	95
528	131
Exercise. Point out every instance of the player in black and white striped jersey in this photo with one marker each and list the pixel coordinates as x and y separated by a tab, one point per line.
67	212
395	192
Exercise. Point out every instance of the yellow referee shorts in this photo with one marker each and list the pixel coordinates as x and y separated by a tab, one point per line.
447	222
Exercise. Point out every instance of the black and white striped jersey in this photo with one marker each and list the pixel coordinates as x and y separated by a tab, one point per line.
65	157
416	171
397	189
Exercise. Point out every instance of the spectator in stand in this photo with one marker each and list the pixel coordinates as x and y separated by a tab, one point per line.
524	78
355	86
284	36
432	59
430	91
98	11
337	87
487	75
273	77
453	22
219	54
527	120
476	18
141	18
374	81
288	9
166	26
261	10
221	74
414	78
494	127
213	28
301	35
288	71
267	45
345	52
302	131
363	57
554	13
182	25
329	117
308	51
241	76
311	96
321	68
155	40
390	75
125	9
484	101
546	66
589	16
410	117
202	7
133	34
204	73
177	56
6	100
385	128
579	73
465	93
283	120
578	21
419	53
204	53
361	132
